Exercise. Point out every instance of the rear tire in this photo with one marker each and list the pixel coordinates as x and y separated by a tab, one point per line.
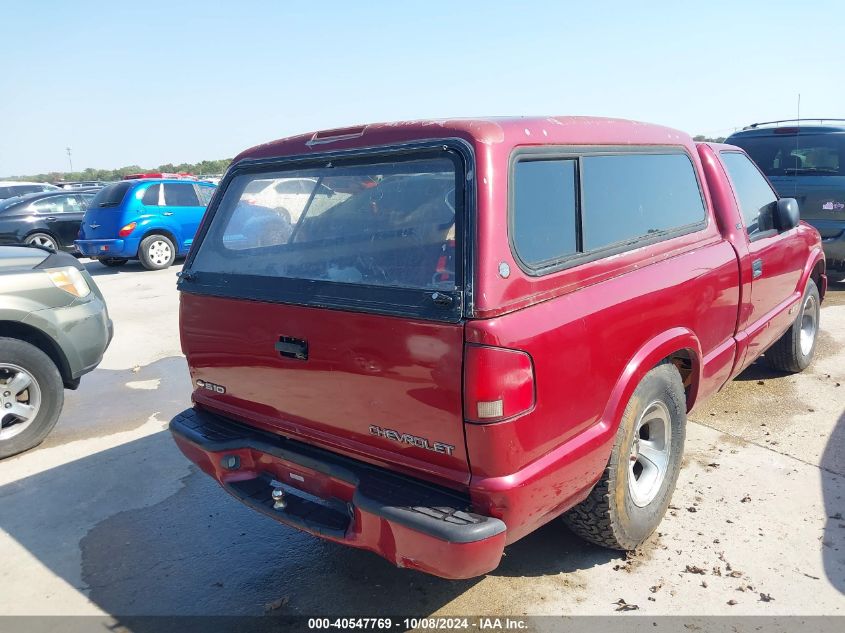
630	499
29	384
793	352
42	239
112	262
156	252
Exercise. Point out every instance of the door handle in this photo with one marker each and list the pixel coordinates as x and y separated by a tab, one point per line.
51	219
167	212
756	268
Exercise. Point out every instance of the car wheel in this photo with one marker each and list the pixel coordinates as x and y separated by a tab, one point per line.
31	396
156	252
41	239
794	351
630	499
112	262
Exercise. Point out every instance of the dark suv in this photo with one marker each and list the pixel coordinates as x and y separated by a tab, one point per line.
806	162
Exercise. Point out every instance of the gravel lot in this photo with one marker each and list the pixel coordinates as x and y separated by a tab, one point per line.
107	517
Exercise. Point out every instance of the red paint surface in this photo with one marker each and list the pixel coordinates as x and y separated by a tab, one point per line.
591	332
362	370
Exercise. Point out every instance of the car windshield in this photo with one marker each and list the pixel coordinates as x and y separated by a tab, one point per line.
380	223
796	154
112	195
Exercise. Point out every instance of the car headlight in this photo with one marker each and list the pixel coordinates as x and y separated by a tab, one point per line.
70	280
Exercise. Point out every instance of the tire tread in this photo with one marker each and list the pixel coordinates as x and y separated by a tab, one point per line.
594	519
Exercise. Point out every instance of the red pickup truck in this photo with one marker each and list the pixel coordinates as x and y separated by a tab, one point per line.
467	328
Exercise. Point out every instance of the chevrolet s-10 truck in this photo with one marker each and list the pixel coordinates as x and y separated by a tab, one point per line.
473	327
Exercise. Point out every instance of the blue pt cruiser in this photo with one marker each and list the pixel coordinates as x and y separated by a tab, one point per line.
153	220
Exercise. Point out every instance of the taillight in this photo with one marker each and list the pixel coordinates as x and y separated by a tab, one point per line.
498	383
126	230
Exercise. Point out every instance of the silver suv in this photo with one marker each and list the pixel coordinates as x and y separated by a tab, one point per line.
54	327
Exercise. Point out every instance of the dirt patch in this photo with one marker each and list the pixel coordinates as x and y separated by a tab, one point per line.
835	294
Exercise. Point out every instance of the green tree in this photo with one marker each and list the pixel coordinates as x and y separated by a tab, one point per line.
90	173
700	138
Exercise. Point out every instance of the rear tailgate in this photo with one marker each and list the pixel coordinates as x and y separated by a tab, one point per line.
821	200
371	385
341	325
104	216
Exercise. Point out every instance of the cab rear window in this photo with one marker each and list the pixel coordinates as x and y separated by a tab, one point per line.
388	223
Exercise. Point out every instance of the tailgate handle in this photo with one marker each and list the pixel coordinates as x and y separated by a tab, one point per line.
290	347
442	299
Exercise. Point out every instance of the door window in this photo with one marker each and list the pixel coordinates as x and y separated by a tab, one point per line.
56	205
180	195
755	197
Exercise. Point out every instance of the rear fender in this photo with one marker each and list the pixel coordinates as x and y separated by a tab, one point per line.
647	357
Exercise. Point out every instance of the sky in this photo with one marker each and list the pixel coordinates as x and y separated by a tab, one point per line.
150	82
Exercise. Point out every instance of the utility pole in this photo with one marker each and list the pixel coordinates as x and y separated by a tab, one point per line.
69	159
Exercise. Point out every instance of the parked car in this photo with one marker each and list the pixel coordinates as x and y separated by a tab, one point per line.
288	196
82	184
508	321
806	161
50	219
12	188
54	328
153	220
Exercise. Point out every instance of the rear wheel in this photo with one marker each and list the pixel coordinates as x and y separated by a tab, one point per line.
156	252
630	499
31	396
42	239
794	351
112	262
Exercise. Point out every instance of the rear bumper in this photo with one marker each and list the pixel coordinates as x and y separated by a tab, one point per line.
408	522
106	248
834	252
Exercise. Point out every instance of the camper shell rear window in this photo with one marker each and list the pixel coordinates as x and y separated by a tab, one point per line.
376	231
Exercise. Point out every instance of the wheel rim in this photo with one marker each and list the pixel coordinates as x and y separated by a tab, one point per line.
648	458
42	240
159	252
20	400
809	324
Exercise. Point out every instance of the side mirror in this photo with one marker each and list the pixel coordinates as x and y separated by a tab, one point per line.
786	215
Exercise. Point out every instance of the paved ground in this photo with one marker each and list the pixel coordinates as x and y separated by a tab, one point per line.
108	517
